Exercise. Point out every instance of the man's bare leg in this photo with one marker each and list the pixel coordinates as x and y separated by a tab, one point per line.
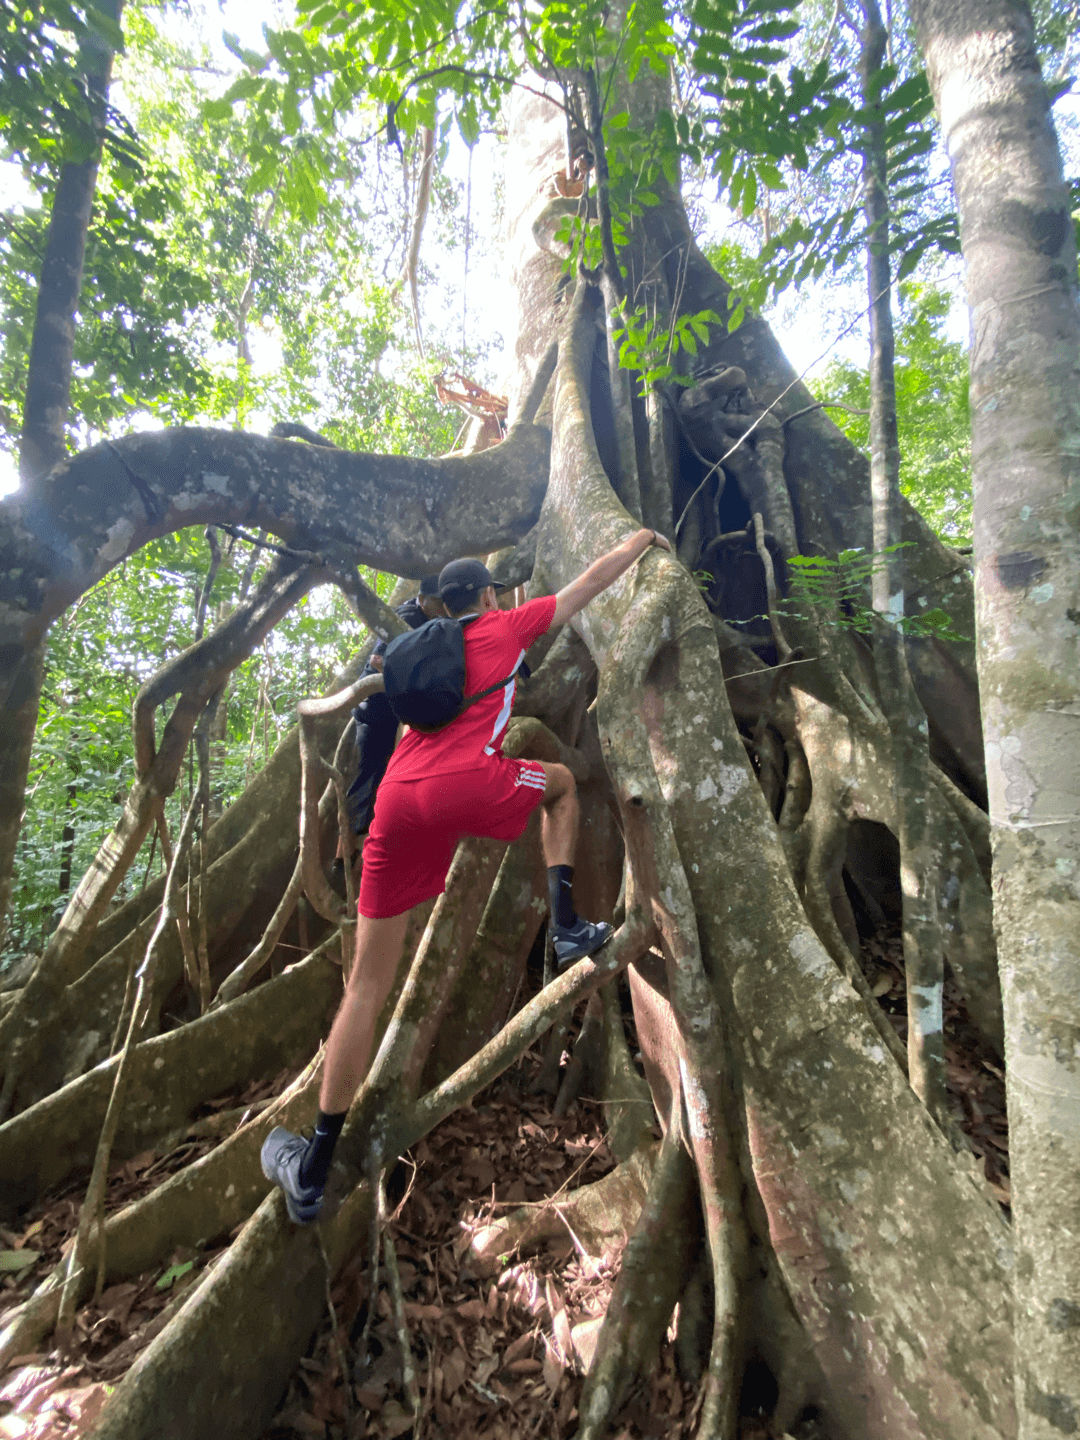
558	815
572	937
301	1166
352	1035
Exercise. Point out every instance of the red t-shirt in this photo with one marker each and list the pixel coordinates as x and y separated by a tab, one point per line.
495	645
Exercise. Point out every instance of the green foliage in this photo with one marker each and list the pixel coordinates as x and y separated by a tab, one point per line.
837	590
99	655
835	593
648	346
132	349
175	1272
388	62
45	117
188	267
755	112
809	248
932	411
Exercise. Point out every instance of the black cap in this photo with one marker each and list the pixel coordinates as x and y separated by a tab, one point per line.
429	585
462	579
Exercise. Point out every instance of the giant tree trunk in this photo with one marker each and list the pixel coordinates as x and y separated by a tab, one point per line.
1020	264
674	751
880	1271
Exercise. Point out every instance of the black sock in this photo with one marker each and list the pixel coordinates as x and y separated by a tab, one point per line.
560	897
315	1166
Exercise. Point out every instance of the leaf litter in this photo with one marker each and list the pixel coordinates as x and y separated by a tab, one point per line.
499	1351
495	1356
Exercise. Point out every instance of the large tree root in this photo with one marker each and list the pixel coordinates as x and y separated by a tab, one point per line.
651	1277
201	1377
493	974
239	892
196	1205
597	1217
259	1034
862	790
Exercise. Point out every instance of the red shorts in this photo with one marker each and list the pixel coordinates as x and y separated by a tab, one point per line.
418	824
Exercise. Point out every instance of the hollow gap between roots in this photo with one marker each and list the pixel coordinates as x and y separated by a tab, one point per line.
974	1077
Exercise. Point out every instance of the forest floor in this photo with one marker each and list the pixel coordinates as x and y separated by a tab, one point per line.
463	1352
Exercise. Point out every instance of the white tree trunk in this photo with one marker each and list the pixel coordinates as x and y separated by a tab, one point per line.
1025	401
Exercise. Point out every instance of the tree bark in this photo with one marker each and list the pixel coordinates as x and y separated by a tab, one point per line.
923	963
45	416
822	1183
52	345
409	516
801	1058
1020	264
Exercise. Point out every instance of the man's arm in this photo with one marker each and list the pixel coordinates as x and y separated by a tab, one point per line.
602	573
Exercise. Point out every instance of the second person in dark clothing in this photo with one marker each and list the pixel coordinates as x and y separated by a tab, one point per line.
376	727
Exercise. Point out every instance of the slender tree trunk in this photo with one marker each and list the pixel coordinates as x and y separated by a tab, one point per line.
45	412
18	721
1020	263
67	837
923	963
48	381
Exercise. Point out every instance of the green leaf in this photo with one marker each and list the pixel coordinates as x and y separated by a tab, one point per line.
249	58
217	109
245	88
13	1261
172	1274
290	113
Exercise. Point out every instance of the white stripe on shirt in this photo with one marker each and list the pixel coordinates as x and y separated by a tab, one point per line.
504	713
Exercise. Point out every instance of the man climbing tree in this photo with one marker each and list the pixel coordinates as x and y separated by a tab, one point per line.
439	787
732	756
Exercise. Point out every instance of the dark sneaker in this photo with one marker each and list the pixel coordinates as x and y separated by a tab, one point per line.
574	942
281	1155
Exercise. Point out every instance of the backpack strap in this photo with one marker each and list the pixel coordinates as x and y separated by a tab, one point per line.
480	694
463	620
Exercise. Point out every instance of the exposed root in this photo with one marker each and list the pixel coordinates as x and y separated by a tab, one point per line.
630	1115
91	1215
197	1204
588	1040
485	993
533	1020
86	1013
195	676
239	979
598	1216
276	1026
651	1276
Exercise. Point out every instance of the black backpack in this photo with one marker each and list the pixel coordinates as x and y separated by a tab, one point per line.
424	674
